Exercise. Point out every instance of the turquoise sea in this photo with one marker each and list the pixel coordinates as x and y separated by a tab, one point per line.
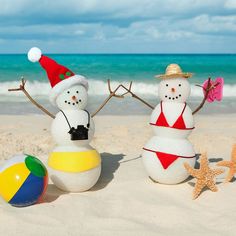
139	68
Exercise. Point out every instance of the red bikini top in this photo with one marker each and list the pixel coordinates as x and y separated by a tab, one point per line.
179	123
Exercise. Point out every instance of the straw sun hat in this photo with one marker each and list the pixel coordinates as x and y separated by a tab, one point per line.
174	71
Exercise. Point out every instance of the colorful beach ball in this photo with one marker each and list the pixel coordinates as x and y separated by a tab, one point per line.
23	180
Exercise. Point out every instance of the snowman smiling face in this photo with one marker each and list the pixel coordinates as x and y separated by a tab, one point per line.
73	98
174	90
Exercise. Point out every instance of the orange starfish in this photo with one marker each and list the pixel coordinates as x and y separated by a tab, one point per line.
230	164
204	175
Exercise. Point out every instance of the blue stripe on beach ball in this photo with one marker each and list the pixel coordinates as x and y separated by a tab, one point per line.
29	193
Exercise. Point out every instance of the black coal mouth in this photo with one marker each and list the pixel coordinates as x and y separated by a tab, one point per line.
173	97
73	103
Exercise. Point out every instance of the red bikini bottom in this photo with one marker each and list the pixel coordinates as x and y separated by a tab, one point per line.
165	158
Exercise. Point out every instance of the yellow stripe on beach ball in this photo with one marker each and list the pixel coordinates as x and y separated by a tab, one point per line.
10	182
74	161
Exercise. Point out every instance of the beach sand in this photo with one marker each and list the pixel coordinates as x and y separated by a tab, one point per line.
124	201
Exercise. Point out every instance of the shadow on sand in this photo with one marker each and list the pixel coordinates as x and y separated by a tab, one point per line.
110	163
52	193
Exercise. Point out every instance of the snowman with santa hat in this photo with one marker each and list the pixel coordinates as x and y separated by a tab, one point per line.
73	165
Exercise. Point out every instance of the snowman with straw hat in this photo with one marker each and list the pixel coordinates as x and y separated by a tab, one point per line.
172	122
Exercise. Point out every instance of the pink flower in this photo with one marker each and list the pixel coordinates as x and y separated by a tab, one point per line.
216	89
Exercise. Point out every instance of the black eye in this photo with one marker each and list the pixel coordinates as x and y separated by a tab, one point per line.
167	85
68	91
179	85
77	91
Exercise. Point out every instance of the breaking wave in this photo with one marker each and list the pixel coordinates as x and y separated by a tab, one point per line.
97	88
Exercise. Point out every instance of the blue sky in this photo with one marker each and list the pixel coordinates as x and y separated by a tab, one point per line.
118	26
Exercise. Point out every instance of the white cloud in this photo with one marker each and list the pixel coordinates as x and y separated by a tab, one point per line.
153	31
109	9
49	31
147	30
230	4
214	24
79	32
8	8
144	24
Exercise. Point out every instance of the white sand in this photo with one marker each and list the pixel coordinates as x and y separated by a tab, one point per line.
124	201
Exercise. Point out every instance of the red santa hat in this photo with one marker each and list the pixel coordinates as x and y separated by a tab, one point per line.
59	76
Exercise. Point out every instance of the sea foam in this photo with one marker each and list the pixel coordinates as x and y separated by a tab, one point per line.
98	88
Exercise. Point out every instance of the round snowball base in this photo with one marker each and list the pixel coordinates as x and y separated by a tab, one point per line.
75	182
174	174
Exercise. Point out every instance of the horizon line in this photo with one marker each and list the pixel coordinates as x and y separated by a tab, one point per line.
65	53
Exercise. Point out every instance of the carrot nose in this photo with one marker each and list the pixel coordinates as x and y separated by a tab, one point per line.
173	90
74	98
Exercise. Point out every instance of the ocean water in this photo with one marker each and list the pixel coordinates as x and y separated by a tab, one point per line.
121	68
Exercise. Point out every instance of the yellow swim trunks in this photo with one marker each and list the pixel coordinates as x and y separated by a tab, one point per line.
74	161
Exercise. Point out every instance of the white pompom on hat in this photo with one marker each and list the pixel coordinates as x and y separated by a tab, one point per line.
60	77
34	54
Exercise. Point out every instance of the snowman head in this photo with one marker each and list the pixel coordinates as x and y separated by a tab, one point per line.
174	90
73	98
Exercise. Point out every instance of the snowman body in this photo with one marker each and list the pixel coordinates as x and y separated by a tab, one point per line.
74	166
172	122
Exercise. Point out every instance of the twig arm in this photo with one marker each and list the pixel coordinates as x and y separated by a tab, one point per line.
135	96
22	88
143	101
112	94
